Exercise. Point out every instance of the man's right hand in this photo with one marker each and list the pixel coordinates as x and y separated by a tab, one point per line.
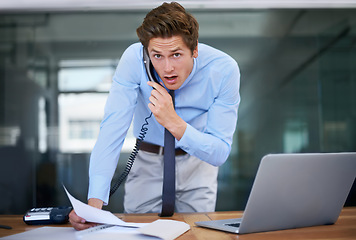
79	223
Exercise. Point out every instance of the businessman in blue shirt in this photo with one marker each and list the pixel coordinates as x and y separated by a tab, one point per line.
206	83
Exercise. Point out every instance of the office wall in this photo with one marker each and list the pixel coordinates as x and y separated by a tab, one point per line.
298	89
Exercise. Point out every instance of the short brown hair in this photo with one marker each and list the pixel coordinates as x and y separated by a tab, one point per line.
167	20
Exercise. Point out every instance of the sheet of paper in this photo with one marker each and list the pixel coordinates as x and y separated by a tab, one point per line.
159	229
116	232
165	229
68	233
92	214
105	228
45	233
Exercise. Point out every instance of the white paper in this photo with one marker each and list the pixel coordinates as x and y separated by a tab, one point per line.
117	232
68	233
165	229
159	229
45	233
95	215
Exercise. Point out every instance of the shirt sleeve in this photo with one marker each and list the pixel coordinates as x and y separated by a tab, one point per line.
213	145
118	114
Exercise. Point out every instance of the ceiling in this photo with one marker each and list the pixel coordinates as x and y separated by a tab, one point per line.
87	5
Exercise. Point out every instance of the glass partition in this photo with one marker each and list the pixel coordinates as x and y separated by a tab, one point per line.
298	89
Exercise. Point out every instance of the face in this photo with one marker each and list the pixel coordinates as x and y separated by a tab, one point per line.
172	60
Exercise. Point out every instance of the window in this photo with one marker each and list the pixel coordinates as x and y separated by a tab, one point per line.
83	87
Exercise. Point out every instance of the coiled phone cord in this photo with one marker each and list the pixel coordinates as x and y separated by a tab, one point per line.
132	157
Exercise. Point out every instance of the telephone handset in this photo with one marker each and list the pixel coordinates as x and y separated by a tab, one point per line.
151	76
149	67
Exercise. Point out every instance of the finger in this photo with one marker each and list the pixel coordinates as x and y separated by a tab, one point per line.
155	93
153	100
75	218
157	86
151	107
158	99
153	84
161	94
82	226
80	223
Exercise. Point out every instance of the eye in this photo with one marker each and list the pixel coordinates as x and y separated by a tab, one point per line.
176	55
157	56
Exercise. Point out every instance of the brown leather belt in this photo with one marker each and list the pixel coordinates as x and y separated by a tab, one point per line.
153	148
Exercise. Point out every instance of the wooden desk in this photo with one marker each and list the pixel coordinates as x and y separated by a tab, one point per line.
345	227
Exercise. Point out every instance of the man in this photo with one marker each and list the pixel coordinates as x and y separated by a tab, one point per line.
203	120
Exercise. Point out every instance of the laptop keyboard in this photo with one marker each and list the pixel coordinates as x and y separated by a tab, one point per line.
233	224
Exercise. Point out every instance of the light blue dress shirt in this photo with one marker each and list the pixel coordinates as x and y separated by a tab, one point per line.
208	101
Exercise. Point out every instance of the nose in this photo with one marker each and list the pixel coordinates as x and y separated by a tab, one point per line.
168	67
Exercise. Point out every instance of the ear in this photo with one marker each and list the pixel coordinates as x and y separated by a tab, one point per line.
195	52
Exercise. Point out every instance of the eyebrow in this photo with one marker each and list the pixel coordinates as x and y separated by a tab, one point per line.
174	50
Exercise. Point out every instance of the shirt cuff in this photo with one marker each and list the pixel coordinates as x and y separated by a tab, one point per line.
99	188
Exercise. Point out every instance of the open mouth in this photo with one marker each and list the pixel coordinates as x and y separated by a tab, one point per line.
170	78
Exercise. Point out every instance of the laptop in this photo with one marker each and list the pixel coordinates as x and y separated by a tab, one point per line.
294	191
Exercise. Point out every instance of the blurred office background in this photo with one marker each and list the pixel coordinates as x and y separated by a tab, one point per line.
298	88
